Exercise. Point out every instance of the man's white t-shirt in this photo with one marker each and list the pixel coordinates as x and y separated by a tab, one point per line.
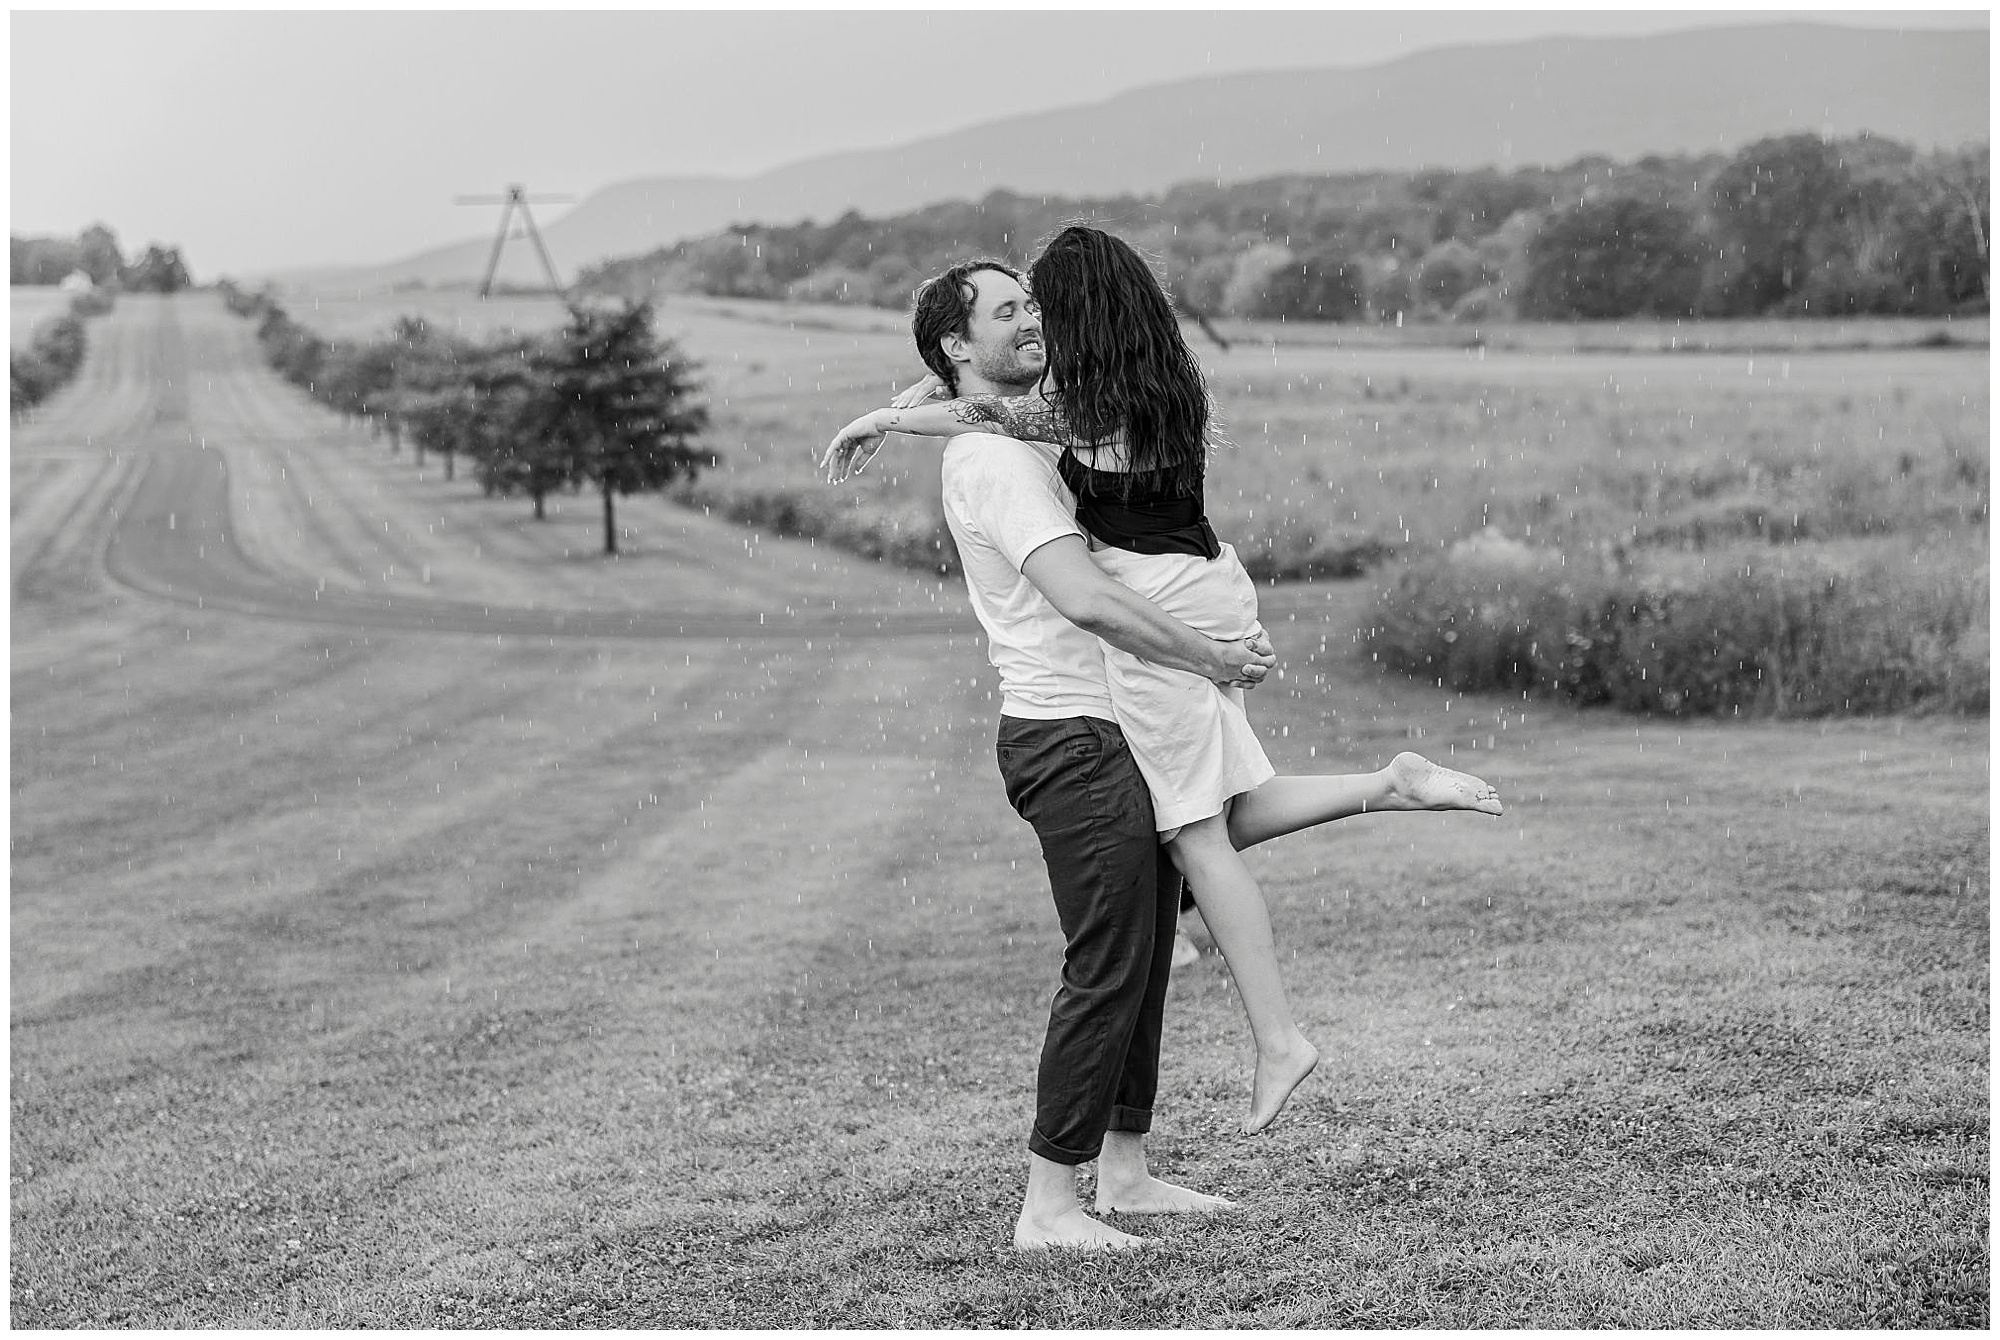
1003	500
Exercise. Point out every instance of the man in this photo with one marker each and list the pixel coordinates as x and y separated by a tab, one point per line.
1044	605
992	366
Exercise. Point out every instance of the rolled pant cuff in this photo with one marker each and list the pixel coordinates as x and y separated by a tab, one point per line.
1055	1153
1138	1120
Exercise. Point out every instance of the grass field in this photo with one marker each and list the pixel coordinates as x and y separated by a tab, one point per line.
1352	443
366	979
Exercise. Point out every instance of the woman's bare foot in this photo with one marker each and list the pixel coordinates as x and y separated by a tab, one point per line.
1278	1073
1149	1195
1422	785
1073	1229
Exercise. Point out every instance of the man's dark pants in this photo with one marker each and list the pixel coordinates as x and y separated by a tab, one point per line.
1117	896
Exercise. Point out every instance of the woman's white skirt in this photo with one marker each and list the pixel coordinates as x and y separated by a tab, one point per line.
1189	735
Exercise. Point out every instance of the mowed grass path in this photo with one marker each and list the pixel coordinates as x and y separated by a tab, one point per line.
424	981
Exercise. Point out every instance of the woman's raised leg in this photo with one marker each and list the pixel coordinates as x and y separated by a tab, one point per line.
1233	907
1410	782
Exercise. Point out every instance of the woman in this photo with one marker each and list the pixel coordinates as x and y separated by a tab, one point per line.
1124	397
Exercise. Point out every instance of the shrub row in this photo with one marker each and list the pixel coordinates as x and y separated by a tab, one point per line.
52	358
1778	632
913	534
905	533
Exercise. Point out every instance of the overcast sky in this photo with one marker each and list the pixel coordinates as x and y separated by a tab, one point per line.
268	140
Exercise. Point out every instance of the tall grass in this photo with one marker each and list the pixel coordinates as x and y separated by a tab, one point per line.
1745	632
1645	451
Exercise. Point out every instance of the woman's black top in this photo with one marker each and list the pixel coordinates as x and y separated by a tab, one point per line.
1145	520
1135	512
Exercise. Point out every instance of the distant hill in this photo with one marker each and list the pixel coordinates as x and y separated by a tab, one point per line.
1546	101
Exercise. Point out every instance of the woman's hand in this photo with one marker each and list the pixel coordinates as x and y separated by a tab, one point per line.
919	393
855	445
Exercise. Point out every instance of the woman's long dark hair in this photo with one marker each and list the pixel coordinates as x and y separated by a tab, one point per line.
1116	356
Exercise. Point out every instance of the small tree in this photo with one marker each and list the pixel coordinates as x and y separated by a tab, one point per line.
417	357
621	402
27	383
1948	216
98	252
1390	287
506	428
1322	284
158	270
293	350
1251	276
358	377
1447	272
429	413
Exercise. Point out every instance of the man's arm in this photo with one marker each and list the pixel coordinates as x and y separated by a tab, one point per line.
1084	594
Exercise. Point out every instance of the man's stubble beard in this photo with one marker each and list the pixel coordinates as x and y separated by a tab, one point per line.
1006	371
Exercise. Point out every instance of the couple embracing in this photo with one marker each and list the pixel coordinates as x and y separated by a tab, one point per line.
1125	633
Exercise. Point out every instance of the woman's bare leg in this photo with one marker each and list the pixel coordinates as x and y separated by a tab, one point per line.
1410	782
1233	907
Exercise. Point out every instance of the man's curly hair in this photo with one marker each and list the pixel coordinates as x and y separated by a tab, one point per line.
943	306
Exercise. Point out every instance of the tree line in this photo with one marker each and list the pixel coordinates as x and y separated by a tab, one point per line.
94	252
1793	225
605	402
54	353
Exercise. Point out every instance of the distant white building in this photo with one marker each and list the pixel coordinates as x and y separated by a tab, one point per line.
76	281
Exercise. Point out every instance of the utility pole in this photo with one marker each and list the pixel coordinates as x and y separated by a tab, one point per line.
517	198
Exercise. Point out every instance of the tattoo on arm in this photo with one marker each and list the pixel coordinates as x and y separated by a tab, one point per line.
1028	417
976	409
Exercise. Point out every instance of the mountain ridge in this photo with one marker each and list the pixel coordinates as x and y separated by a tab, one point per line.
1540	100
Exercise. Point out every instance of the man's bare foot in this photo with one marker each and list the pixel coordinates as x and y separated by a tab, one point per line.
1422	785
1073	1229
1149	1195
1277	1075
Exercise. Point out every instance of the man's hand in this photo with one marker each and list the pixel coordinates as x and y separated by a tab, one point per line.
1091	599
1249	661
853	447
918	393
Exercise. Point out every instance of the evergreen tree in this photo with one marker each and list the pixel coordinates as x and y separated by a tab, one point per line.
506	425
621	404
